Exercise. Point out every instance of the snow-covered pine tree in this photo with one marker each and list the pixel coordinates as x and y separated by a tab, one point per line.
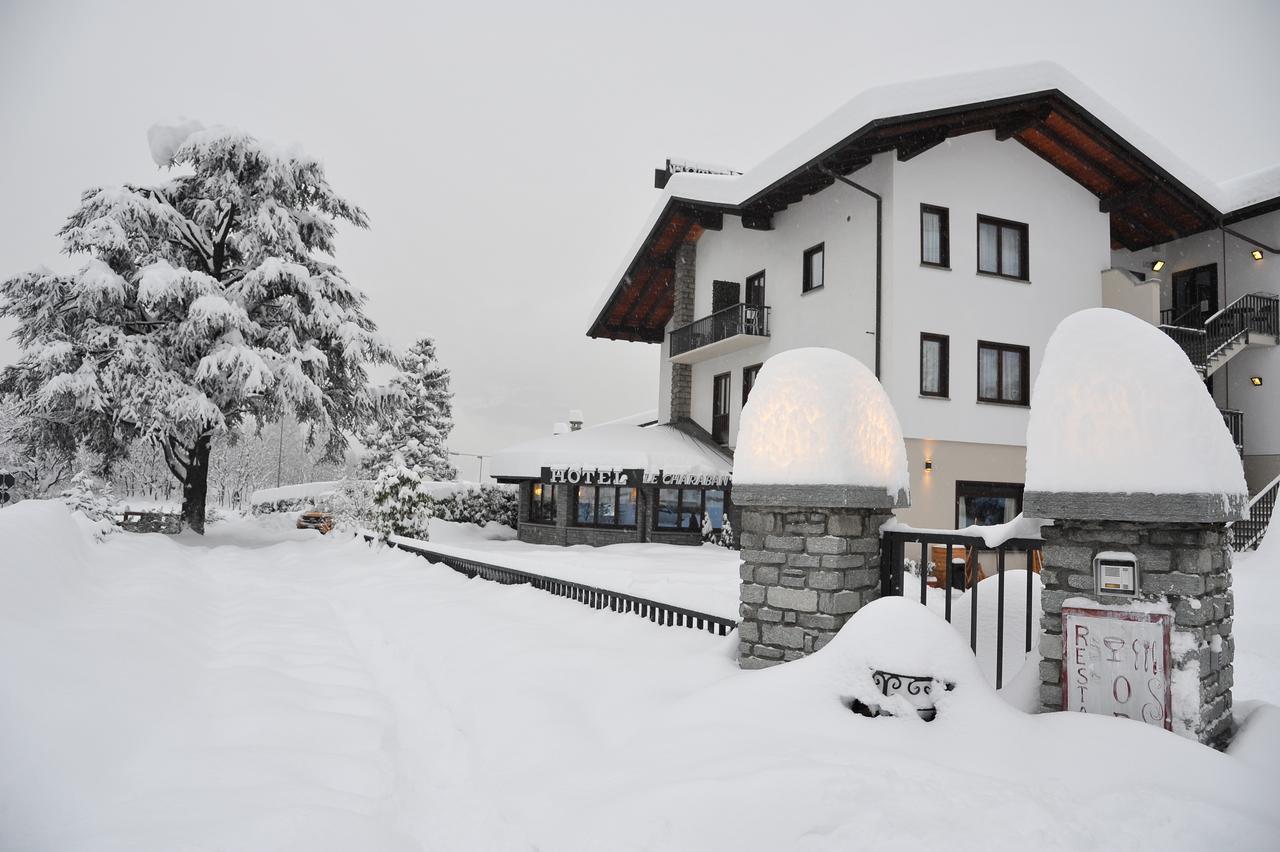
417	420
401	503
205	301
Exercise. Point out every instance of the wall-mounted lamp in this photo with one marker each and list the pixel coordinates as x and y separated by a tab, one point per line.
1256	381
1157	265
928	464
1256	254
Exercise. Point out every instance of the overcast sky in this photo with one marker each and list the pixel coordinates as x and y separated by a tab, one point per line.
505	152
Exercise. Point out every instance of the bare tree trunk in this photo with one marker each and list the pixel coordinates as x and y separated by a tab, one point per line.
195	487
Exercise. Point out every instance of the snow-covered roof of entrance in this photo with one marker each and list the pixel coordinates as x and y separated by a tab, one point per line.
1152	194
651	448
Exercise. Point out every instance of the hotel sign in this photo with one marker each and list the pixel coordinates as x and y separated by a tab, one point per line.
1116	663
632	477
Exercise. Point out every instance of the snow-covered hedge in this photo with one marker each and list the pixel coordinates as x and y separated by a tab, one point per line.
479	504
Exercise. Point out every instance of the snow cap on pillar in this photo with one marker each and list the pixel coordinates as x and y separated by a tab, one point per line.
819	430
1122	428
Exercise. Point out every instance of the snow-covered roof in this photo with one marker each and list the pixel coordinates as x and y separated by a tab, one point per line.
651	448
981	88
1118	409
819	417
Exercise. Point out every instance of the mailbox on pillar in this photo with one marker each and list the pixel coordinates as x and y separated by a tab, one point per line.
1116	573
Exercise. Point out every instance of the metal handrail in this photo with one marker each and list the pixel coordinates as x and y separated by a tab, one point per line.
1251	313
727	322
1248	531
664	614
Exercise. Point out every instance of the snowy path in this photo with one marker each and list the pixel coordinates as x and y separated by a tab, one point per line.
320	695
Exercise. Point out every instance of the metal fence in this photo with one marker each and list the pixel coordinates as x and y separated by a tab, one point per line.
893	582
592	596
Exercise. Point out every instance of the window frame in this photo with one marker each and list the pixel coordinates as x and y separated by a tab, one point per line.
806	276
543	499
681	506
1024	258
979	488
1024	386
762	289
754	372
944	247
595	515
944	365
716	380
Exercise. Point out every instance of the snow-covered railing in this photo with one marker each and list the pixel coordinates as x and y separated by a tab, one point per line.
1248	531
1019	535
664	614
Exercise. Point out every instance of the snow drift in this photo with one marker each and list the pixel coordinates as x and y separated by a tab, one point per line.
1118	408
820	417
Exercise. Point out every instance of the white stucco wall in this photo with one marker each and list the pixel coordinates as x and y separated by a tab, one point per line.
1231	386
1069	245
840	315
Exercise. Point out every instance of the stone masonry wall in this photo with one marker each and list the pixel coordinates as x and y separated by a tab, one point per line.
805	571
682	374
1189	565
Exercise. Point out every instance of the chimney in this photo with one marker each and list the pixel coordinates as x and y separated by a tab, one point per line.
575	420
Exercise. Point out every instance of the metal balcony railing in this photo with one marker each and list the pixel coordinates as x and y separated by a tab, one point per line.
1235	422
1210	346
732	321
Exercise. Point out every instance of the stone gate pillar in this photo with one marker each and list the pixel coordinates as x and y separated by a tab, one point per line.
810	559
1129	456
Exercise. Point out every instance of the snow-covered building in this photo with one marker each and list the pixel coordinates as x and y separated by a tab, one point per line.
939	231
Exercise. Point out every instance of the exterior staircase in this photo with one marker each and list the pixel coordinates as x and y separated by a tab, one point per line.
1252	320
1248	532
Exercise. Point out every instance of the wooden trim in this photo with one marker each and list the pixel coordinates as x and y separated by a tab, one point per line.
944	246
1024	254
806	280
1024	385
944	365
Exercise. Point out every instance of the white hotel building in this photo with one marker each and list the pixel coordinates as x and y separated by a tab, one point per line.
939	231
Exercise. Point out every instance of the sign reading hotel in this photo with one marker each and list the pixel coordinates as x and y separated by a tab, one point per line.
1116	663
631	476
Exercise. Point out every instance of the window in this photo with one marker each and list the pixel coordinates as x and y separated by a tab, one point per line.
935	236
720	408
684	508
755	289
813	268
724	294
1002	248
749	380
1003	373
542	503
935	365
987	503
605	506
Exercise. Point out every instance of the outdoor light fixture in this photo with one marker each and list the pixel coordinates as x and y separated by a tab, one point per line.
1256	254
1256	381
928	463
1157	265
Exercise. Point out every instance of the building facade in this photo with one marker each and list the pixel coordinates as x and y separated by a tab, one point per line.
939	232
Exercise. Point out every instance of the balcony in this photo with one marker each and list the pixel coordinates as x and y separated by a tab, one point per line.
736	327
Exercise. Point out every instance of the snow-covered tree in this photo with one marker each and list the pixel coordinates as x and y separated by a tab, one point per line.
417	419
203	302
401	502
39	470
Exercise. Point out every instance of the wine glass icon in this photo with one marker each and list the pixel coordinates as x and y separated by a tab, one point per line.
1114	644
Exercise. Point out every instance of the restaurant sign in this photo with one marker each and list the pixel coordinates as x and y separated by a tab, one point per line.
632	477
1116	663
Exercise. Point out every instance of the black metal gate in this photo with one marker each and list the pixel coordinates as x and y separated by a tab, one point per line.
961	575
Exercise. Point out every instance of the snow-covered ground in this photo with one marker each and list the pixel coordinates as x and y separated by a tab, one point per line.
269	689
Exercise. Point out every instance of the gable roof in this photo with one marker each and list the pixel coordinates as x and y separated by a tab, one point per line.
1152	196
